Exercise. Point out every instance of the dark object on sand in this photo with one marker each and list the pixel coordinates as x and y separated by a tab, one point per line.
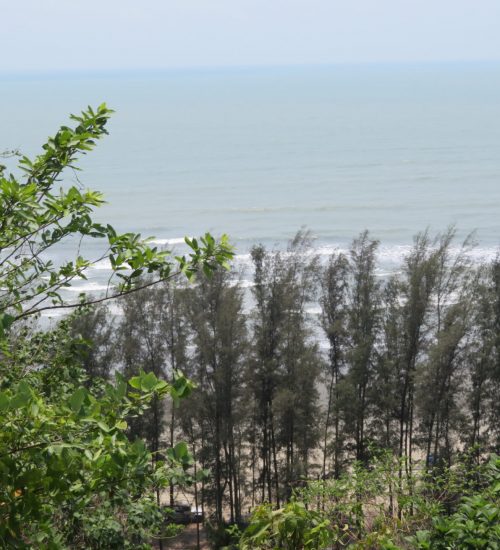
178	513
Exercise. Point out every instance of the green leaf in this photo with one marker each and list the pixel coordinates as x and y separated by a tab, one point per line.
4	401
181	450
121	425
149	381
103	426
121	386
135	382
6	321
77	399
22	397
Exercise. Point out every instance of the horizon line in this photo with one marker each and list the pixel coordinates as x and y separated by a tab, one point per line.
116	71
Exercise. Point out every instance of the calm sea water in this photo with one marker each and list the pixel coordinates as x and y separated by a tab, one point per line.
258	153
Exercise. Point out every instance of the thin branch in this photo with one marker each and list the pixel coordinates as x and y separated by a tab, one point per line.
97	300
31	446
27	236
54	287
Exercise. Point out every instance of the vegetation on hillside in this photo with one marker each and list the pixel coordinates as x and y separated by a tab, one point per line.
324	406
72	472
322	367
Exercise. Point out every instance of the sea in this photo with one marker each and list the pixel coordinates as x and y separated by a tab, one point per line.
258	153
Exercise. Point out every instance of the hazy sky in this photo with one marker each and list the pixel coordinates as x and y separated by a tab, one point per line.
46	35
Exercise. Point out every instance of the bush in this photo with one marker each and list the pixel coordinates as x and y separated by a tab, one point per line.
474	525
292	527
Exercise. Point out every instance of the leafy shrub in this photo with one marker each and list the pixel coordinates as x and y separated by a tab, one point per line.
454	508
292	527
474	525
69	474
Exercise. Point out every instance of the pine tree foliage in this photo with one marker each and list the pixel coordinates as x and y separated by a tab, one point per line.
214	309
406	363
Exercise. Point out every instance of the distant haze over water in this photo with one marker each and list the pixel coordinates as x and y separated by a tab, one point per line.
258	153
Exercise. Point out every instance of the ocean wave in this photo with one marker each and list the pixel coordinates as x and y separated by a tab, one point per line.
389	257
55	313
104	264
89	286
242	283
397	253
169	241
242	260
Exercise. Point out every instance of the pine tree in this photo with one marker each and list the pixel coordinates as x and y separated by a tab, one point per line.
334	284
215	312
151	337
363	324
286	364
97	352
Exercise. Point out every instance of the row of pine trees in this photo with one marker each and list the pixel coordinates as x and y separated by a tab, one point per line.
317	364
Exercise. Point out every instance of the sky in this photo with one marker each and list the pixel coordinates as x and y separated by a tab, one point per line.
102	35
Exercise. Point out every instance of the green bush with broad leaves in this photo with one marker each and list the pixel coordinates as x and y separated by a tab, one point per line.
69	474
474	525
70	477
457	508
292	527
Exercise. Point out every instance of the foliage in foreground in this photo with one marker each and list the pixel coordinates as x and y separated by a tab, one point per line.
456	510
70	474
38	212
290	527
474	524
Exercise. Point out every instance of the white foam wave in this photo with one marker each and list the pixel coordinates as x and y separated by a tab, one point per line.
242	258
397	253
51	313
246	284
389	257
104	264
241	283
170	241
89	286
